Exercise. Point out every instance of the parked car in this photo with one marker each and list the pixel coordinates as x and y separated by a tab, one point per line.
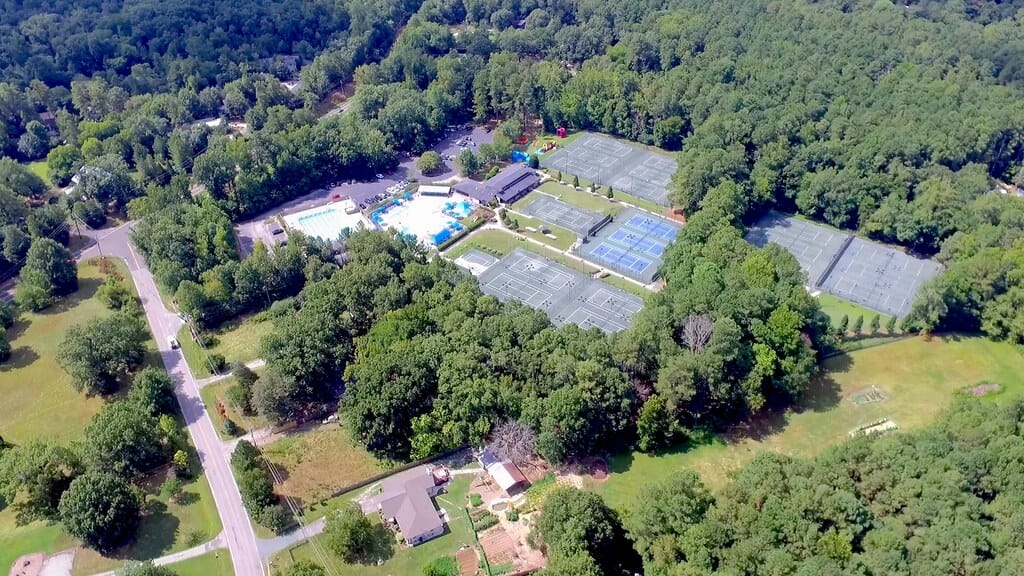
173	342
380	176
276	231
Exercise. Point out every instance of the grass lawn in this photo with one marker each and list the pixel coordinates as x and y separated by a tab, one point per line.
837	307
319	462
218	391
209	564
170	527
618	195
406	561
919	376
563	239
570	195
51	409
38	398
39	169
623	284
237	341
495	242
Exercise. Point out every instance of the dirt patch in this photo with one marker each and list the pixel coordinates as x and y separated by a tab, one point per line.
498	545
28	565
467	560
983	389
596	468
675	214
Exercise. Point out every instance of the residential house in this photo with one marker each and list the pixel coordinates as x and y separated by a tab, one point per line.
406	502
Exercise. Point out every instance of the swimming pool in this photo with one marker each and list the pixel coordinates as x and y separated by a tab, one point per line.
326	222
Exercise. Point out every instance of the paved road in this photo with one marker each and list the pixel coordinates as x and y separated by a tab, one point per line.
238	534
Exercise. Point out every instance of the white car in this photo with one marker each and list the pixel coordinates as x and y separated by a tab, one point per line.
173	342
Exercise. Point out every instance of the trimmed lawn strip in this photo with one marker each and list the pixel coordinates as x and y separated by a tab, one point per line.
835	307
920	378
238	341
570	195
216	563
319	462
617	194
406	560
623	284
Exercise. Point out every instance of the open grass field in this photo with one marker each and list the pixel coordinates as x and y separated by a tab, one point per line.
236	341
570	195
563	239
495	242
319	462
38	400
406	561
919	377
169	527
50	408
218	391
209	564
837	307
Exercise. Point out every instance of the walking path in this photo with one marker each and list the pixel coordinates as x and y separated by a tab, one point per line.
215	544
259	363
238	534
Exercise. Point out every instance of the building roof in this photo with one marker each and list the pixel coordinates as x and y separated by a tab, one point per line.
405	498
435	189
507	185
506	474
475	190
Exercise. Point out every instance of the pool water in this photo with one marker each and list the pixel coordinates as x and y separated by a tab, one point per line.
328	224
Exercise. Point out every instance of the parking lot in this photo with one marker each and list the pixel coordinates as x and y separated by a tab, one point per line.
363	192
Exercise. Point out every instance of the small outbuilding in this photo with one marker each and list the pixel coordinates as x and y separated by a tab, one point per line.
504	473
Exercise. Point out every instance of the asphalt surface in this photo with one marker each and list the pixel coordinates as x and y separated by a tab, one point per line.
254	230
238	534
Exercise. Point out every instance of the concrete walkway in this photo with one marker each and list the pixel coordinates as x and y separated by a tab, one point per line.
271	546
252	365
215	544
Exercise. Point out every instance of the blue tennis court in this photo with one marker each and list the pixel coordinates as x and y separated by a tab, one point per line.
653	227
633	244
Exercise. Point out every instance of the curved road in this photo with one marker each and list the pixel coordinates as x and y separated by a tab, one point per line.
238	534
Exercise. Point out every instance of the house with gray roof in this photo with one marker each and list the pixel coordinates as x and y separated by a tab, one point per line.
406	502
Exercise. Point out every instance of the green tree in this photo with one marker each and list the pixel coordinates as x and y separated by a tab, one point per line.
114	293
49	269
467	162
90	212
430	162
153	391
62	162
35	142
575	181
609	193
890	325
180	463
858	324
125	440
171	488
5	347
354	538
654	425
19	179
575	522
97	353
533	162
34	475
876	324
669	508
844	324
101	509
